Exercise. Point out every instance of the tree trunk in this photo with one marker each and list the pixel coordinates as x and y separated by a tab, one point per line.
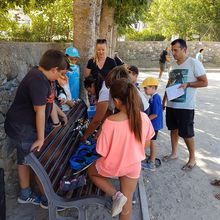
84	33
97	17
106	25
114	38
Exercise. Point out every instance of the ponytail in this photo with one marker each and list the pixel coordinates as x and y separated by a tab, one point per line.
133	111
125	91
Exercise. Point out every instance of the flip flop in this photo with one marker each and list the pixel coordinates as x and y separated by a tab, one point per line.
215	182
217	196
188	167
168	158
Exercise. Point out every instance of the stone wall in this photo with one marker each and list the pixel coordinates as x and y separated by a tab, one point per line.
145	54
15	61
17	58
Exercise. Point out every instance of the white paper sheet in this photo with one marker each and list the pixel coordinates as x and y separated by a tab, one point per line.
174	92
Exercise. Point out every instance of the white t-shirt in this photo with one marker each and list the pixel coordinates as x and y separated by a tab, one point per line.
143	99
185	72
103	93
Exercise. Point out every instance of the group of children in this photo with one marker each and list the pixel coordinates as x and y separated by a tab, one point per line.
35	102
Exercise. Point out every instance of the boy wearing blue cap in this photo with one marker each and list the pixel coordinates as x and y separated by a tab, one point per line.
73	75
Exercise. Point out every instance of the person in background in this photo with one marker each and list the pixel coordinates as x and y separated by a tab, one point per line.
27	117
63	94
150	85
100	63
93	87
164	58
134	72
129	127
74	74
117	59
180	111
199	55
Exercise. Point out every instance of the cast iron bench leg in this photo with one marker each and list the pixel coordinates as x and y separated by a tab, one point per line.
82	213
52	212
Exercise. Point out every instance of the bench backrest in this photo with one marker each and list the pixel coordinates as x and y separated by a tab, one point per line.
52	162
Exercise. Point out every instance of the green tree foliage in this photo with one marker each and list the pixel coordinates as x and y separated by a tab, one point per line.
51	21
128	12
144	35
186	18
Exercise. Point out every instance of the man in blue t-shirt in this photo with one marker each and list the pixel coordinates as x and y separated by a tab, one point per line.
156	116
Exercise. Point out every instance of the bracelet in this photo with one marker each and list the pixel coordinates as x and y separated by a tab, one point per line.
188	84
57	124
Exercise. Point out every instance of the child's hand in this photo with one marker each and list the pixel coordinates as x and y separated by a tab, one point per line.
37	145
64	120
63	101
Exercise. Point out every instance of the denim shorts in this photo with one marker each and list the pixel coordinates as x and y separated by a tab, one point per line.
24	146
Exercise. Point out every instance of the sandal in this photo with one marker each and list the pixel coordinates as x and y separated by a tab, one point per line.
188	167
215	182
168	158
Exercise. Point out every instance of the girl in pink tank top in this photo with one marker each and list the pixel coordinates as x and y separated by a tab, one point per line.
121	145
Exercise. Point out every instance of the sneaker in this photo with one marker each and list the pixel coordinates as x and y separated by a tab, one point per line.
118	203
148	165
32	199
44	205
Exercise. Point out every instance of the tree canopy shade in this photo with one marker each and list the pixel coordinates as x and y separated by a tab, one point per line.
52	21
7	3
186	18
128	12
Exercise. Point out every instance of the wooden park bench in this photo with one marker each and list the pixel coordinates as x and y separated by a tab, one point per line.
52	163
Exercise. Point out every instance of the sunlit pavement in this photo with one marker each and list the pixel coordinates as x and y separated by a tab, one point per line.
173	193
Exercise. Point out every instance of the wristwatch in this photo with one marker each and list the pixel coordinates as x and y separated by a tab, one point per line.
188	84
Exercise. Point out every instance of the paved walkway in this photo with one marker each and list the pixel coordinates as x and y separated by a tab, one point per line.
172	194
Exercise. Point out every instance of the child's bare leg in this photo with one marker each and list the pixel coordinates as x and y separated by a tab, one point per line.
100	181
24	176
153	150
127	187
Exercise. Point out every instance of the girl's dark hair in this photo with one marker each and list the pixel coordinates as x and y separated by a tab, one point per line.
54	58
98	81
116	73
125	91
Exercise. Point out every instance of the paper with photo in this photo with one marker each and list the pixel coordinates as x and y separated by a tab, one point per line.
174	92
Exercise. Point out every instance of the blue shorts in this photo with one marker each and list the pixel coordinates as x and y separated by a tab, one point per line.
24	147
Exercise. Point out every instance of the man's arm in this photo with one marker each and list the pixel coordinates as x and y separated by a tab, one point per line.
202	81
40	127
167	57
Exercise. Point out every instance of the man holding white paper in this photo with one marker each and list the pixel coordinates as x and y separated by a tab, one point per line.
186	74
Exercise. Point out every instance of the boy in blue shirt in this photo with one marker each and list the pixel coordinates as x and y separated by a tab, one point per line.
156	116
73	75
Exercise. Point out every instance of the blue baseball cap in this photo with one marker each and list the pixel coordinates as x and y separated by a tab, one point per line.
72	52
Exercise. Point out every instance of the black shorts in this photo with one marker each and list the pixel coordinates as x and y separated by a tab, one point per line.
181	119
155	136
